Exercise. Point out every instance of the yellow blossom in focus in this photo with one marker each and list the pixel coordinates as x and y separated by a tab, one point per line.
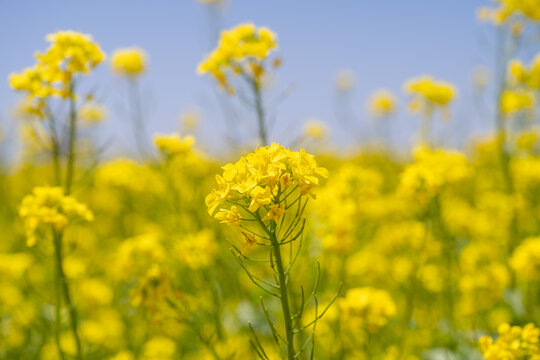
270	167
49	205
130	62
274	212
382	103
229	216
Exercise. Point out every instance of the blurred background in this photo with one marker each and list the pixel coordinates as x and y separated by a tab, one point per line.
382	45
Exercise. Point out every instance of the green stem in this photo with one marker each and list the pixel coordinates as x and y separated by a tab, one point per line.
58	301
72	138
260	112
284	296
55	148
61	277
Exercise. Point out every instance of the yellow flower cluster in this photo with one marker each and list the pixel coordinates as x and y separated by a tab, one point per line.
70	53
507	8
382	103
49	205
513	101
130	62
513	343
241	50
526	75
431	170
525	260
428	93
173	145
367	308
257	180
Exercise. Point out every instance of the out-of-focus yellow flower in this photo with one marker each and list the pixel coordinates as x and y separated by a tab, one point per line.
190	119
428	93
35	81
481	77
30	108
123	355
159	348
130	62
432	170
345	80
513	343
173	144
528	76
513	101
527	140
197	250
241	50
367	308
92	113
525	260
382	103
315	129
507	8
69	54
49	205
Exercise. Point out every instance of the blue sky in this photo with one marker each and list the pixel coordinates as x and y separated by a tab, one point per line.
384	42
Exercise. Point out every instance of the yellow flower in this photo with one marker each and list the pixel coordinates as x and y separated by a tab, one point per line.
275	211
526	75
382	103
49	205
259	197
513	343
173	144
92	113
430	92
514	101
508	8
231	217
241	50
367	307
260	178
315	129
69	54
159	348
525	260
130	62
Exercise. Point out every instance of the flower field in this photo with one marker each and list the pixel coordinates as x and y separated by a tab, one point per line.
275	250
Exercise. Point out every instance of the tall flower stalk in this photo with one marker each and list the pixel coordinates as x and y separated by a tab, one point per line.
265	195
69	55
241	52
